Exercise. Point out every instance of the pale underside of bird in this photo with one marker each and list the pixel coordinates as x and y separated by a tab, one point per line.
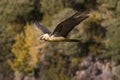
63	29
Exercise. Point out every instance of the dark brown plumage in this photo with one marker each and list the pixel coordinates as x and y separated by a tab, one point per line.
67	25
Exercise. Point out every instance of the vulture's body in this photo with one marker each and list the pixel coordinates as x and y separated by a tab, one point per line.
62	30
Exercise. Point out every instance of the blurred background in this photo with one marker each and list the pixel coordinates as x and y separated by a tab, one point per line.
24	57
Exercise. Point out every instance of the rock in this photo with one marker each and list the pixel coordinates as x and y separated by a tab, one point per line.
91	69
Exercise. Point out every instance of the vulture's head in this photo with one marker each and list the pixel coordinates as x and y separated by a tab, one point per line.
45	37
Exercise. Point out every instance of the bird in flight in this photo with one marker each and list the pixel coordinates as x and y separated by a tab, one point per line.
63	29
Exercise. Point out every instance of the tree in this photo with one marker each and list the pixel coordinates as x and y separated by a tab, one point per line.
18	11
25	51
113	42
6	42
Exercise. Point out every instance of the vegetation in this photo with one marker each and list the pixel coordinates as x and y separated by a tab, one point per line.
22	51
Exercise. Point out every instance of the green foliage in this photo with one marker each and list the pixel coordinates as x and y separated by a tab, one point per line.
58	67
6	42
113	42
118	71
17	11
93	36
118	9
51	7
110	5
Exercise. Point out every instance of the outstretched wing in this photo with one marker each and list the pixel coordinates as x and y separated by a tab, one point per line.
66	26
42	28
